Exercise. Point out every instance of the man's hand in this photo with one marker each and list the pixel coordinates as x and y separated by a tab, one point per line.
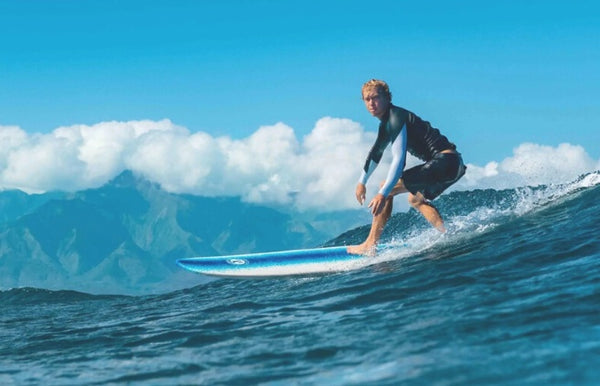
377	204
361	192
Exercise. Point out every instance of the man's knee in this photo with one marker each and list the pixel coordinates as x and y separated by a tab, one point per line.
416	200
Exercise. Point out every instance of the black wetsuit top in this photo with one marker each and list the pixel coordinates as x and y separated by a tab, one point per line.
406	132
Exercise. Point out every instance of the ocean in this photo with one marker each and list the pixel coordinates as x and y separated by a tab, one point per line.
509	296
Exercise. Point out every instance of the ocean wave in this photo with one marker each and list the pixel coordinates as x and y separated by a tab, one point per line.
30	295
475	210
512	288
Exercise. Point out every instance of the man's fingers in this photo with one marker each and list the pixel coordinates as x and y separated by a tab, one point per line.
360	193
374	205
377	205
360	197
375	210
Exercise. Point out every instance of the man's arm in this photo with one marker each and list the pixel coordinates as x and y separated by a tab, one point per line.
398	162
394	174
370	165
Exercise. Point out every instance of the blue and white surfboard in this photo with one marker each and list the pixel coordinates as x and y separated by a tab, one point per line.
272	264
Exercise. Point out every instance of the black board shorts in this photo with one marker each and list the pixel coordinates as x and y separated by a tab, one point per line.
434	176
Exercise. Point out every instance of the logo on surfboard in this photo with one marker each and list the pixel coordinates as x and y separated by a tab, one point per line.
237	261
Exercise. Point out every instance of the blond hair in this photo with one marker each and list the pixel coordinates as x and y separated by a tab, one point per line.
378	85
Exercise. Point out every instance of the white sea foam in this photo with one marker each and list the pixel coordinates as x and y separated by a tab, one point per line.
485	218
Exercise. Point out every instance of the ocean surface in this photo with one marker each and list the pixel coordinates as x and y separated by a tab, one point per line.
509	296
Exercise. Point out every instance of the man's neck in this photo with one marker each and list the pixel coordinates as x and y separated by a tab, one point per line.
386	114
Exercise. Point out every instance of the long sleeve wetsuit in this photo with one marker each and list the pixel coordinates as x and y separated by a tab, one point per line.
405	132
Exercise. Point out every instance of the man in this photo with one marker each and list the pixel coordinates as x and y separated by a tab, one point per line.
405	131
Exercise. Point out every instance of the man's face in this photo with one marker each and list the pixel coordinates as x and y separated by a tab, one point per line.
376	103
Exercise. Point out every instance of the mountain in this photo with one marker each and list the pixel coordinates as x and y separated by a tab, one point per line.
124	237
15	203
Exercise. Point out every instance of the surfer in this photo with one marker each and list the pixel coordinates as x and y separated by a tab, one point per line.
404	131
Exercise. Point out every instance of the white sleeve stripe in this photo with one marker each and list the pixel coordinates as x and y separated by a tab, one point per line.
398	162
364	177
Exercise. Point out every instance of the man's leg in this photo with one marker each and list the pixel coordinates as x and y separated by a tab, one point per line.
428	211
368	247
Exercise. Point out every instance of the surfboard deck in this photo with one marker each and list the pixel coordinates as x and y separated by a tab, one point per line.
273	264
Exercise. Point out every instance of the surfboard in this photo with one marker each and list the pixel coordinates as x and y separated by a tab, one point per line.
274	264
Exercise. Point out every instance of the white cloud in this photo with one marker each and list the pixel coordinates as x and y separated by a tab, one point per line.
272	165
332	157
73	157
531	165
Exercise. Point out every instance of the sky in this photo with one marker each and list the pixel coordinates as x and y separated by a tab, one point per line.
262	98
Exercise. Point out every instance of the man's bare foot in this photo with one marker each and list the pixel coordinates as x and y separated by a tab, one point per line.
363	249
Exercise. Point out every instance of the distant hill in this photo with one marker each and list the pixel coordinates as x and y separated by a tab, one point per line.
125	236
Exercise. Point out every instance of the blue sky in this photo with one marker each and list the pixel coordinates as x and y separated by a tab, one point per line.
490	76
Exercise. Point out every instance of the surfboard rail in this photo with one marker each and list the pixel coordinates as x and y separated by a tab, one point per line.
277	263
